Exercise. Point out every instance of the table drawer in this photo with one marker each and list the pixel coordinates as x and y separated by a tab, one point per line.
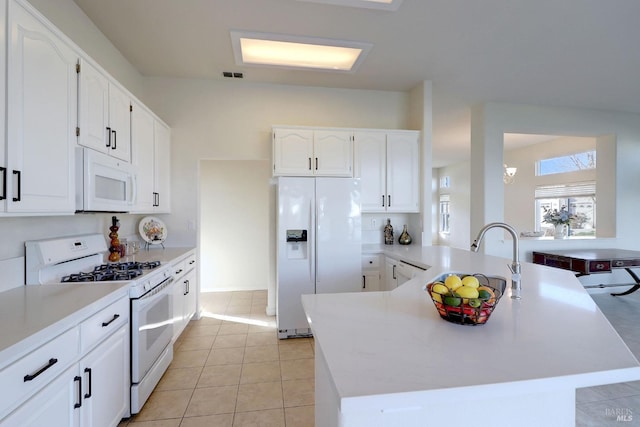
370	261
623	263
26	376
102	324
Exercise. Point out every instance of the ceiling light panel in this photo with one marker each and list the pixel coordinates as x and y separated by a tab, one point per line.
276	50
369	4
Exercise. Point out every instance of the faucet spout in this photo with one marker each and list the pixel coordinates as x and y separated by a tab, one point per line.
515	265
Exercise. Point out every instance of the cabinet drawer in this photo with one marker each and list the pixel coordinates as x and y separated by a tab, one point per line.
35	370
179	268
370	261
104	323
190	262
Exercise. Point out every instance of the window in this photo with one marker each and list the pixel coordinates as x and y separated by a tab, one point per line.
564	164
444	213
578	198
445	182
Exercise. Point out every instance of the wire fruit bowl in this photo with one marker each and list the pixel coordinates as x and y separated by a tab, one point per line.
468	311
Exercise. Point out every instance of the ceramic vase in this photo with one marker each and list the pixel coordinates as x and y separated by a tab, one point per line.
405	238
560	231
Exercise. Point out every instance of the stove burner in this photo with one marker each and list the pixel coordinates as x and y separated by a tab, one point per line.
110	272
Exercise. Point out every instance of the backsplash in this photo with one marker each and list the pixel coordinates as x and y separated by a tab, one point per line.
373	227
16	230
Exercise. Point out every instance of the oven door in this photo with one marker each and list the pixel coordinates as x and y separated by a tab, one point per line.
104	183
151	328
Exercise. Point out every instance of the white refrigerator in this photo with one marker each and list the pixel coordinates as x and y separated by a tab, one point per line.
319	245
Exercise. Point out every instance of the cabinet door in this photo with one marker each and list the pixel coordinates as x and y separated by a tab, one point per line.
105	381
332	153
190	300
370	280
162	164
370	166
3	96
179	323
56	405
142	158
119	123
403	173
292	152
390	282
93	108
42	120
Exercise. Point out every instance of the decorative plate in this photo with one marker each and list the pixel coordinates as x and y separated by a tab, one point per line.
152	230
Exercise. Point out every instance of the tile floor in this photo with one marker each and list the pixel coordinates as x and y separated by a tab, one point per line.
616	404
229	369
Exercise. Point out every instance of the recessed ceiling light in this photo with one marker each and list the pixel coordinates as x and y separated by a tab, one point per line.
277	50
369	4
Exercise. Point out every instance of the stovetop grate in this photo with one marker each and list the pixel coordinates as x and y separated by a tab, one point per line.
113	271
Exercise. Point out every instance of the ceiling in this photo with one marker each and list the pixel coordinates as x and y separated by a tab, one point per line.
574	53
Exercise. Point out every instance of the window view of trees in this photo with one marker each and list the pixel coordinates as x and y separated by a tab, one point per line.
564	164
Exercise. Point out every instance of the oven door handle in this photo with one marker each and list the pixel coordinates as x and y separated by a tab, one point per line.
155	293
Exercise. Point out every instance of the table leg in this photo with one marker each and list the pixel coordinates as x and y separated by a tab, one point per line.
634	288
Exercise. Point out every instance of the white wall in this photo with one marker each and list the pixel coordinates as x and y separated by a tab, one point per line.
236	208
491	121
459	205
231	120
519	208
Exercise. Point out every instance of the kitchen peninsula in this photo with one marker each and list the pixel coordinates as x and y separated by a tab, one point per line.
387	358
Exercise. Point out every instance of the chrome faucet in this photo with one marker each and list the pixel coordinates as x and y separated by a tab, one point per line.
515	265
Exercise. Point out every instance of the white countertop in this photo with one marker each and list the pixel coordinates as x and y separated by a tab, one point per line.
383	343
32	315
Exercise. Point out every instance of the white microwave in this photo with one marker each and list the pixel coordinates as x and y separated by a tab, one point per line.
103	183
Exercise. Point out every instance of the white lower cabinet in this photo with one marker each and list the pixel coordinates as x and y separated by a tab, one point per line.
89	394
105	382
391	278
371	276
185	290
62	385
55	405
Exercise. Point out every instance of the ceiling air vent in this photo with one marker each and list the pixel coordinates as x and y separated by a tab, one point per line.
232	75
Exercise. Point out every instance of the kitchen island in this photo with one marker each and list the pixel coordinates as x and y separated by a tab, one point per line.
387	358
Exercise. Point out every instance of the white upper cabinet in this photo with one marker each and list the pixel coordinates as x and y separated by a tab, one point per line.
370	166
119	123
41	120
142	157
104	114
308	152
151	142
403	172
388	165
162	165
332	153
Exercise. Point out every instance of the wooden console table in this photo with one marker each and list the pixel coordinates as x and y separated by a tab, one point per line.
589	261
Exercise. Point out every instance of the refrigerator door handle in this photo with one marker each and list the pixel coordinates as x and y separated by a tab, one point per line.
312	249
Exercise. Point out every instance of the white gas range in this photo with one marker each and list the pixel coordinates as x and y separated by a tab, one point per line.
81	259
